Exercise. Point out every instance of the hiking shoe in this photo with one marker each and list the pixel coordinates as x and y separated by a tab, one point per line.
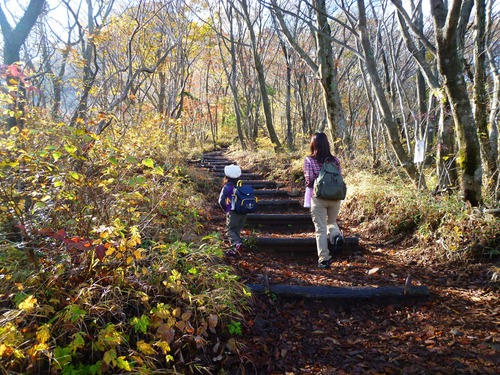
337	245
325	264
238	247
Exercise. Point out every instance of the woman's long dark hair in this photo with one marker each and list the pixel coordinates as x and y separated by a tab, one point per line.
320	147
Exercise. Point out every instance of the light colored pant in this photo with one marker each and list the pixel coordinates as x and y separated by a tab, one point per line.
324	215
234	225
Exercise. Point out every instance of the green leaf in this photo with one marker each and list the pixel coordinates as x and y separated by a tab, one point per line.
123	364
148	162
56	155
158	171
74	313
77	343
113	160
74	175
62	357
140	324
137	181
70	149
131	159
110	357
40	205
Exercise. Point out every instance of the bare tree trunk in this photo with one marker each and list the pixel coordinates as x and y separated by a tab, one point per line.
13	39
325	69
288	97
481	96
421	86
446	166
231	74
385	110
327	72
259	67
495	98
450	64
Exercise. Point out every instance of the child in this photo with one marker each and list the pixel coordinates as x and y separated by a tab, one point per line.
234	221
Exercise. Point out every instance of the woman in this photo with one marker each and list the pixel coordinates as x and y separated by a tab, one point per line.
324	212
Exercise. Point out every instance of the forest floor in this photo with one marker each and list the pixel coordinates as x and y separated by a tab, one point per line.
454	331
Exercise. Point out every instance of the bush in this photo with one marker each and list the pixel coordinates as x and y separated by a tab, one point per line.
103	266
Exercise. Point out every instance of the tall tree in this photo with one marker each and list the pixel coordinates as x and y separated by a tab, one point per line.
495	96
325	66
445	143
387	116
13	39
481	96
259	67
447	27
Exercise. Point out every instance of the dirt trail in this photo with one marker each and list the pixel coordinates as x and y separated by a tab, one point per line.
453	331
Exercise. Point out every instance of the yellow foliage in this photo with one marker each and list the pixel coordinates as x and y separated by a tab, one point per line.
145	348
43	333
163	345
29	304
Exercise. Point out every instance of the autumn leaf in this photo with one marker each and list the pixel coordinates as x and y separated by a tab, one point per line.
145	348
148	163
100	251
28	304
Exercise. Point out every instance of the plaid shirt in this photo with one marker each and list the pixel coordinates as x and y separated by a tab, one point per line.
312	168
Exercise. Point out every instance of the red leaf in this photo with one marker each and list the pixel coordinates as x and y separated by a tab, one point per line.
60	234
100	251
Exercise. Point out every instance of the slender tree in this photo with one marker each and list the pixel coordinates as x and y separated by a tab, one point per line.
259	68
13	40
447	22
386	113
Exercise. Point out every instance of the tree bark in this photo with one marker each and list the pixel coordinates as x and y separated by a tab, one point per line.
384	107
259	68
325	69
450	65
13	39
481	96
327	72
495	99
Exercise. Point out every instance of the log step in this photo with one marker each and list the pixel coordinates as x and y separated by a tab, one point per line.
279	219
280	203
344	293
217	162
260	184
244	176
271	193
292	246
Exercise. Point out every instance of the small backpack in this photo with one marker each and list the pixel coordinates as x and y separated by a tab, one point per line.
330	184
243	200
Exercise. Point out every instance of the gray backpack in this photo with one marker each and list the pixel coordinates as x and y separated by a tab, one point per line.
330	184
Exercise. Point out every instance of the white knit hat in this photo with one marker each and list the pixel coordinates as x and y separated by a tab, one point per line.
232	171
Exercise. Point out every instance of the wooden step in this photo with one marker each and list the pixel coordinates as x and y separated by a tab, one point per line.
280	204
260	184
244	176
217	162
271	193
279	219
323	292
291	246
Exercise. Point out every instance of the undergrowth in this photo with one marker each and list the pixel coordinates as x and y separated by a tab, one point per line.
105	264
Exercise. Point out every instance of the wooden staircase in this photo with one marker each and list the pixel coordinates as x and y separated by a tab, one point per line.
283	227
